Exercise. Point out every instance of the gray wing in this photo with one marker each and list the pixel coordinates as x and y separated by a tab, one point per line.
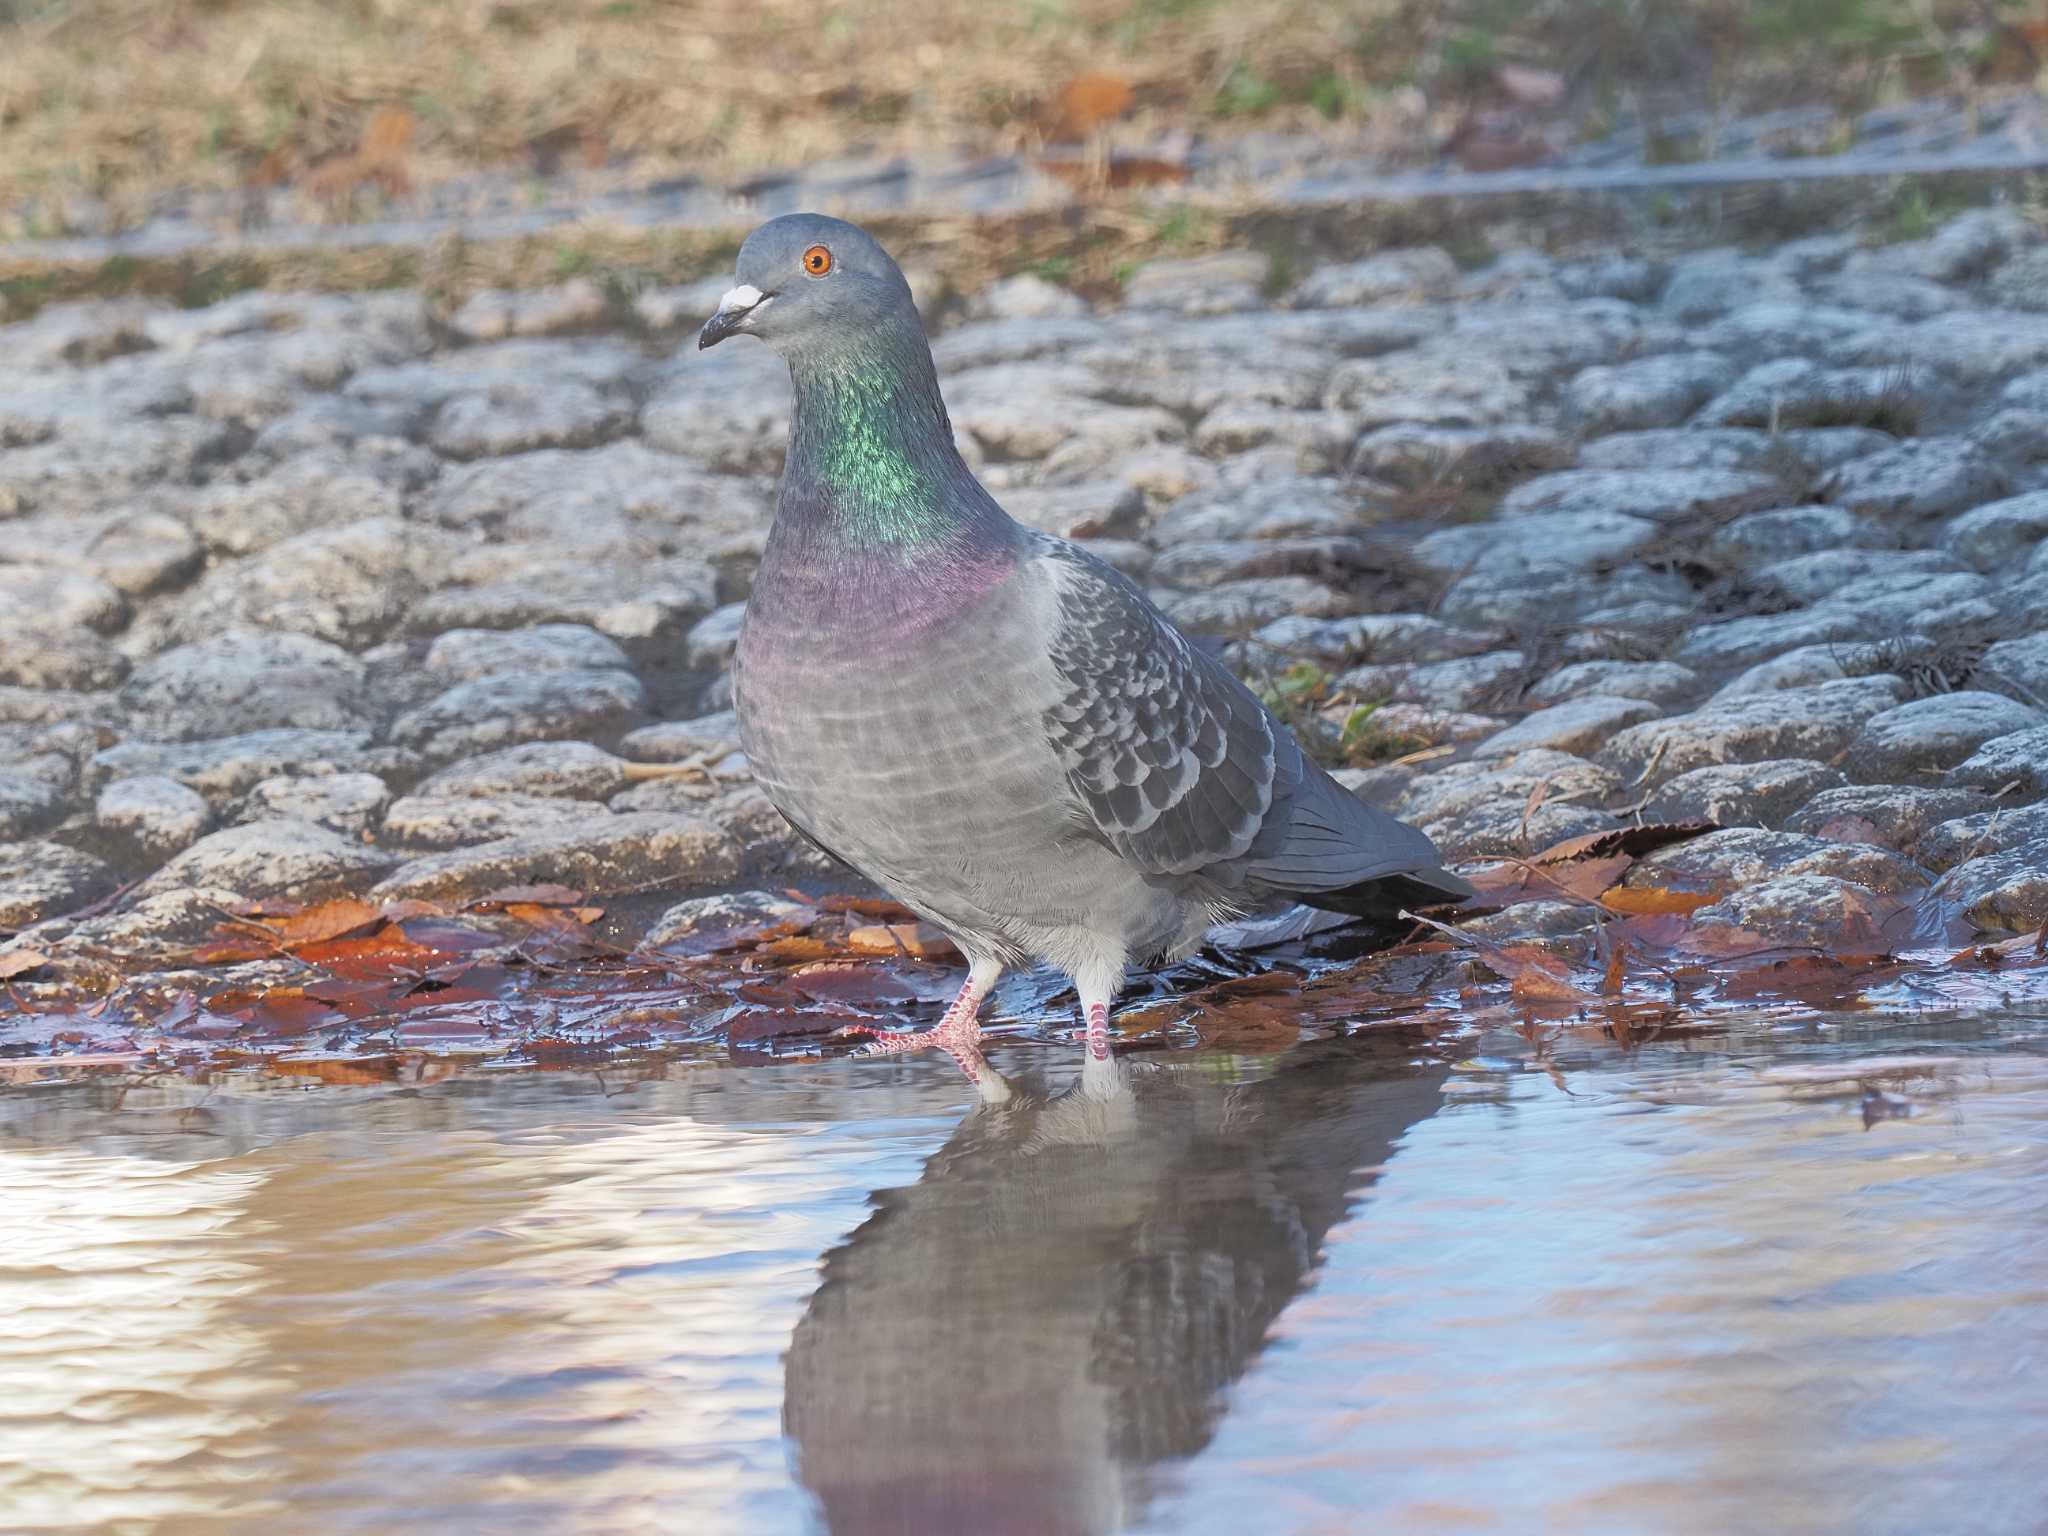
1184	771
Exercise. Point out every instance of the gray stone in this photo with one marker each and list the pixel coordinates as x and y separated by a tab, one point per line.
612	853
1894	815
1971	244
40	880
1444	387
1650	392
713	638
137	552
1505	829
520	415
1655	682
1814	722
1825	573
1210	562
1564	544
493	314
1973	346
2003	892
2014	436
1762	637
39	655
232	765
2020	665
505	708
348	803
1803	911
1232	608
569	770
628	600
703	919
1372	637
247	680
1412	456
62	598
29	802
278	860
304	495
1388	277
1470	682
724	413
1900	294
1027	296
1996	830
1706	284
1820	449
159	816
1934	602
1793	392
473	653
2022	282
1929	736
458	821
1668	448
1922	478
2020	758
1742	856
1581	725
1077	511
1223	283
674	741
1999	537
350	585
1742	794
1462	788
1662	496
1783	533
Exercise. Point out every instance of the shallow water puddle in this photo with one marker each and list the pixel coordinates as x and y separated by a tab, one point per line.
1785	1275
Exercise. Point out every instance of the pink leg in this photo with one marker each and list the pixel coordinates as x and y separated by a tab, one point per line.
958	1034
1100	1076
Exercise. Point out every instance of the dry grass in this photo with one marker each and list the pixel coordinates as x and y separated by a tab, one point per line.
119	97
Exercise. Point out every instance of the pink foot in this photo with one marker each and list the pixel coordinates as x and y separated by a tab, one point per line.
958	1034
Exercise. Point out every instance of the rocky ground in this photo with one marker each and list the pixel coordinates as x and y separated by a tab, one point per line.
303	596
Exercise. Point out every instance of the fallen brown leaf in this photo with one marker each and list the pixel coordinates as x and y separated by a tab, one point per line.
19	962
1656	901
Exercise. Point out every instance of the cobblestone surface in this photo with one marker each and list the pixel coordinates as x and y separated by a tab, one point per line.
303	594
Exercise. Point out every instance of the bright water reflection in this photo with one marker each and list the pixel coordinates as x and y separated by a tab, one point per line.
1382	1282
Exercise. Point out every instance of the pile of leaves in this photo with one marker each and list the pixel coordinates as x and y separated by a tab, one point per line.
354	991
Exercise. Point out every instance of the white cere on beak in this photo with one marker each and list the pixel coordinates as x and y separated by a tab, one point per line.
744	297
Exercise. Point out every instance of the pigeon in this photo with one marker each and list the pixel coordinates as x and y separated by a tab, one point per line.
990	723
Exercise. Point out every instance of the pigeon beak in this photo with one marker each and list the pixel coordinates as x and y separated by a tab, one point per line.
734	311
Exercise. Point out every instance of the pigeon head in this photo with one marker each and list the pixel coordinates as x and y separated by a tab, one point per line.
809	284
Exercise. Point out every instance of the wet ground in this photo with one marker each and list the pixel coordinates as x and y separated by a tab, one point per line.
1784	1275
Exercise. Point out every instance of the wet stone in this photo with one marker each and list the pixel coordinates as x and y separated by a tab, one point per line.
571	770
1803	911
1742	794
1893	815
39	880
508	707
611	853
1462	788
347	803
1512	829
157	815
704	918
1814	723
1929	736
458	821
273	860
2020	758
1997	830
2003	892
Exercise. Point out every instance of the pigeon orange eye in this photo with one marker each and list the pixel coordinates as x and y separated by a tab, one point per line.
817	261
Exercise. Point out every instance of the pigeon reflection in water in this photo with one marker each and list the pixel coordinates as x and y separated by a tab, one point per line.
1062	1301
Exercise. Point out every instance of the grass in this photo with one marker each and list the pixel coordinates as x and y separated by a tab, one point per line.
126	100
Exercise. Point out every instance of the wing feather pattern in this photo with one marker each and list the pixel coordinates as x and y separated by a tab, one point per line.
1183	771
